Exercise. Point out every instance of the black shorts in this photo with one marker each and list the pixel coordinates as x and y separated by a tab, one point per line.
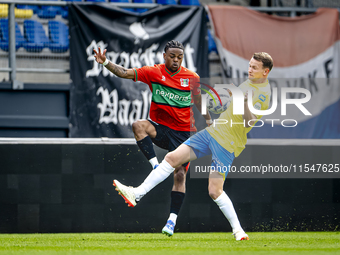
168	138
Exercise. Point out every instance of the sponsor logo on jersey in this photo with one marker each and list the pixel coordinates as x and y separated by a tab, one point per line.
170	96
257	106
184	82
262	97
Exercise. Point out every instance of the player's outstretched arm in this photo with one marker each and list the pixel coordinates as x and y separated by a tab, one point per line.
116	69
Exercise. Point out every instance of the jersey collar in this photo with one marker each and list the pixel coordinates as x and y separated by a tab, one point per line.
173	74
258	84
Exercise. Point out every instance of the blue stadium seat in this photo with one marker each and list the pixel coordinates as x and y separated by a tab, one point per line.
58	34
19	39
47	13
211	42
64	12
167	2
123	1
35	8
57	9
35	36
143	2
190	2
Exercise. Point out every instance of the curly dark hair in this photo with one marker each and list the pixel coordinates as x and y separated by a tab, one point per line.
173	44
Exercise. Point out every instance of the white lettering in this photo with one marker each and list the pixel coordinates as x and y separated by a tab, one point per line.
297	101
123	112
132	60
108	107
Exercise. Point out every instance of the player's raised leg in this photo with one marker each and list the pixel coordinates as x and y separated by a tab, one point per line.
144	131
216	192
173	159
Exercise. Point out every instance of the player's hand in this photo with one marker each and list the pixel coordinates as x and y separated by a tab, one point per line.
209	122
246	96
230	93
99	56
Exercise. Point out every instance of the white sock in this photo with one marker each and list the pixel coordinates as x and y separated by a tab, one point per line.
153	162
226	206
154	178
173	217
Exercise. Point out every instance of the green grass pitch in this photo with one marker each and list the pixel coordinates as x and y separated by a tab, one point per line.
181	243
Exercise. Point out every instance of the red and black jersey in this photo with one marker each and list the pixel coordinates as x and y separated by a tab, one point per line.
172	102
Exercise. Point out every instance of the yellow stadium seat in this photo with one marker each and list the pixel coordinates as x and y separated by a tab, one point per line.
3	10
23	13
19	13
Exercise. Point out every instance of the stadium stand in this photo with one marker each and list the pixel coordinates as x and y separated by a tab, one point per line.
58	35
48	44
3	10
123	1
19	13
189	2
211	42
145	2
64	12
34	8
47	13
35	36
167	2
57	9
19	39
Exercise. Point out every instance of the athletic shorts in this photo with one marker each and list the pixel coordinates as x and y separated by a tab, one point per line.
168	138
204	144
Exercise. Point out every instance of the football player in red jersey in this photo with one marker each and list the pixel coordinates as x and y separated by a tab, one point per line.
171	116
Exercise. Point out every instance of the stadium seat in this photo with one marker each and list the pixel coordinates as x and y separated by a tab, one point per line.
19	13
3	10
34	8
57	9
47	13
211	42
190	2
167	2
50	9
143	2
19	39
35	36
64	12
23	13
123	1
58	34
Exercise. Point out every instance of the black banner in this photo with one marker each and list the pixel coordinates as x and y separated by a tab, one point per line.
103	105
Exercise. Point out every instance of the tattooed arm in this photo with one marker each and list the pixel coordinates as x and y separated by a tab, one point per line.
116	69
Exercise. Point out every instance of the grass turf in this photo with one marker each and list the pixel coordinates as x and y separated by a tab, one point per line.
181	243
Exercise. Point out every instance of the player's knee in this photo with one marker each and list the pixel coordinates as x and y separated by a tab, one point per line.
171	159
180	175
214	192
137	126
